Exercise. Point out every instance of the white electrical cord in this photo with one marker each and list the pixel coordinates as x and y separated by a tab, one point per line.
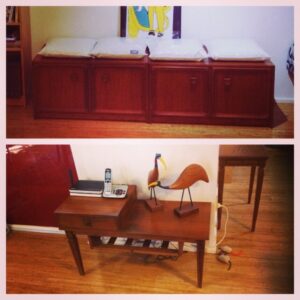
225	226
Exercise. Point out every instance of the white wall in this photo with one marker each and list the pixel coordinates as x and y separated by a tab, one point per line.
272	27
131	161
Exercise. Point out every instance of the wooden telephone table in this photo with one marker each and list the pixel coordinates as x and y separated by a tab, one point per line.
130	218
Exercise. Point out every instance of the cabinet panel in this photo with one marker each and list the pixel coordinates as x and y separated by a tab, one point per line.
181	93
37	178
242	93
119	90
60	89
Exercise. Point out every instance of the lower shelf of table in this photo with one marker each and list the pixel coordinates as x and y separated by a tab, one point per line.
152	247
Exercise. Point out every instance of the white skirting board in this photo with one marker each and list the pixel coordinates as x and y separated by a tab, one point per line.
54	230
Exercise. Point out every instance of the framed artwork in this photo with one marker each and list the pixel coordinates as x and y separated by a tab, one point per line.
157	21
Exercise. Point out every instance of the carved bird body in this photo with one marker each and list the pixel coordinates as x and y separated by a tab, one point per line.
153	175
188	177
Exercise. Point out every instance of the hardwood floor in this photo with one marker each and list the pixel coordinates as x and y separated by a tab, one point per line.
20	124
263	262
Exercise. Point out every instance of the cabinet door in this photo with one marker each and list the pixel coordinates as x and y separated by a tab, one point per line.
60	89
37	178
180	94
120	92
242	93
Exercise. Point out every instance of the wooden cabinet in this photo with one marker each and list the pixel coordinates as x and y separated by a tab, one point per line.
60	89
18	55
229	93
119	89
179	93
243	93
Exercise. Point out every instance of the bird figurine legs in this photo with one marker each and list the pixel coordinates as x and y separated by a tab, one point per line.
152	202
184	210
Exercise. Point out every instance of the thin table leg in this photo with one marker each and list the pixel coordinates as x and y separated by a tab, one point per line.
252	175
260	178
200	261
221	176
75	251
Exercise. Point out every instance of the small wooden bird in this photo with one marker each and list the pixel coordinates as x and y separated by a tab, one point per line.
187	178
153	181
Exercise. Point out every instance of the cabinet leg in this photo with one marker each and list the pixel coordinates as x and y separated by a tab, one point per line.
73	242
180	248
200	261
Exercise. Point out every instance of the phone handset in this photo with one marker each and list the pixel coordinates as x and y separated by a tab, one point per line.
107	182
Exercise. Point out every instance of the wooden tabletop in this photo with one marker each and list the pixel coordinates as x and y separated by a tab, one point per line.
164	224
243	152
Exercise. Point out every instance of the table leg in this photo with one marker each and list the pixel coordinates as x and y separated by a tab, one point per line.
221	176
260	178
252	175
180	248
75	250
200	261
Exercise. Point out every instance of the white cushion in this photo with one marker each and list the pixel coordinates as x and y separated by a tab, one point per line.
235	49
177	49
118	47
62	47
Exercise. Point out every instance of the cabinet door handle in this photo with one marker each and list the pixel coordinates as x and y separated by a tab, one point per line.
227	82
74	77
105	78
193	81
87	221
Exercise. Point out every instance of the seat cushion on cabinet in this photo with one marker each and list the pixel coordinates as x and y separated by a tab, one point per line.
235	49
177	49
68	47
120	47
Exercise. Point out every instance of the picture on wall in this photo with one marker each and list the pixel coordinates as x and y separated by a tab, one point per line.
152	21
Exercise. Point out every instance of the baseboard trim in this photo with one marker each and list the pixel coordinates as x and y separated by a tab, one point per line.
31	228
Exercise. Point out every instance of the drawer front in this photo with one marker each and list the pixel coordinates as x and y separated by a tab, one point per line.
87	222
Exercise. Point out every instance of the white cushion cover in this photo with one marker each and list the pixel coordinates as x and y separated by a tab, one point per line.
235	49
62	47
119	47
177	49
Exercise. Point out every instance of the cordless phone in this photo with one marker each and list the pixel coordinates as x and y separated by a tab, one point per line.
107	182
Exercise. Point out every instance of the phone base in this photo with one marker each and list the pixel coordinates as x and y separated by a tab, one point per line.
150	203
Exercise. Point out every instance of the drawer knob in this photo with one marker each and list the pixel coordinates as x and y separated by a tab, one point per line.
74	77
87	221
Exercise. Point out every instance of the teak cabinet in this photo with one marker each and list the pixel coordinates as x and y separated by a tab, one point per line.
229	93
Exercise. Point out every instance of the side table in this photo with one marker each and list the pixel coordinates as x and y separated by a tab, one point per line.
254	156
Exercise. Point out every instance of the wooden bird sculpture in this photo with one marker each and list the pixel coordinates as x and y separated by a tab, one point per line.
153	180
187	178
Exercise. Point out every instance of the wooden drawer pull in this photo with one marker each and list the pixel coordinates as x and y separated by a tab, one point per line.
87	221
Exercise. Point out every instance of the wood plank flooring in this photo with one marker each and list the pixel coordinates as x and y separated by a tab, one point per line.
20	124
263	262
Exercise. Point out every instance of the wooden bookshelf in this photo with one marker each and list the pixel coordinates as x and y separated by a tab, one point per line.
18	55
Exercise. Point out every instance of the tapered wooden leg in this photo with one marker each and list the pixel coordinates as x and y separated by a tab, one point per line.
200	261
260	178
180	248
221	176
252	175
75	251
